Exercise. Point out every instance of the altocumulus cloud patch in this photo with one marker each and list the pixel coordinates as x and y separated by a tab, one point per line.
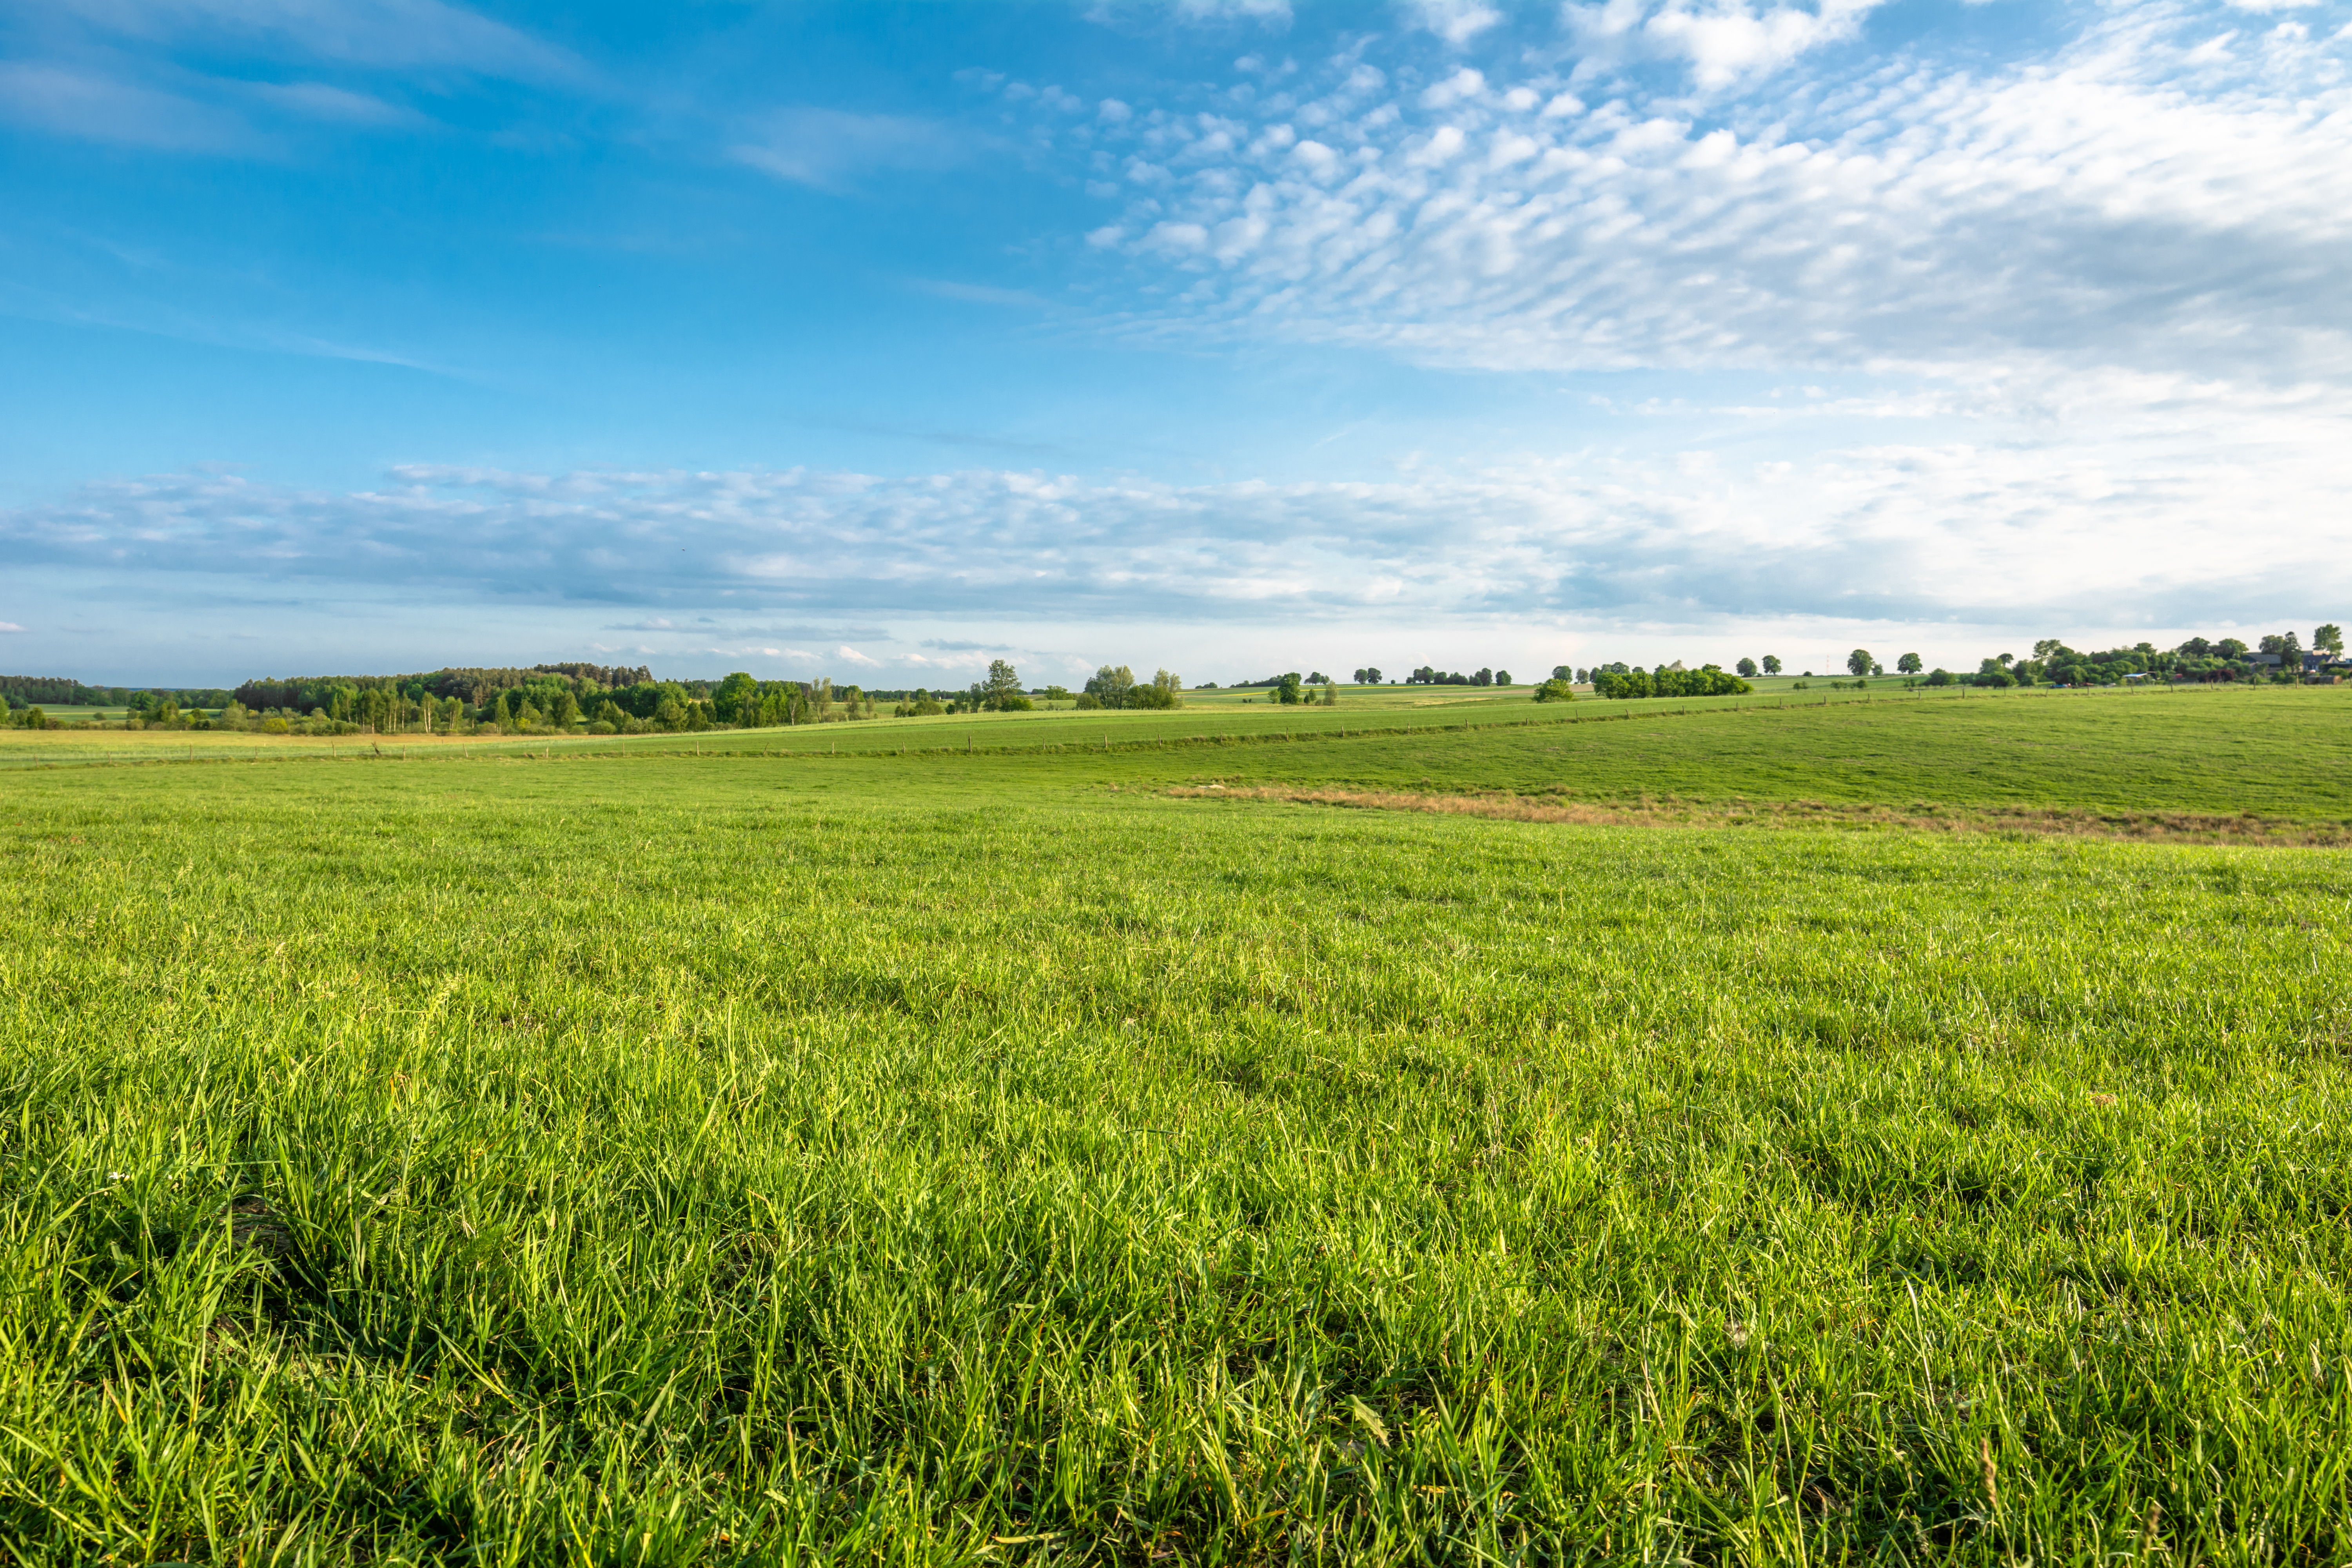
2165	191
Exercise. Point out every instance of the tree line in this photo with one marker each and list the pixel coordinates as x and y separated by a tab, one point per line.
601	700
58	692
2276	657
1621	682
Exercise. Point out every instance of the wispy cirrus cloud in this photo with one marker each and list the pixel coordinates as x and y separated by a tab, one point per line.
149	73
66	99
831	149
379	35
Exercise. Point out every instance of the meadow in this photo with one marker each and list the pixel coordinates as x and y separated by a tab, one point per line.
1074	1138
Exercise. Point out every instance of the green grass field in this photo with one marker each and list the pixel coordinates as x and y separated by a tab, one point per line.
730	1149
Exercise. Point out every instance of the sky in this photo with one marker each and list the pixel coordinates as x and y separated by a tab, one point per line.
1224	336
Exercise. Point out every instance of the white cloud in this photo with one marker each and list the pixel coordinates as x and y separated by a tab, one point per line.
10	626
2106	206
1464	83
827	148
1271	13
318	101
70	102
1456	21
389	35
2101	500
1721	42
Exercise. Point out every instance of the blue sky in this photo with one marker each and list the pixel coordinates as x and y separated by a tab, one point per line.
1227	336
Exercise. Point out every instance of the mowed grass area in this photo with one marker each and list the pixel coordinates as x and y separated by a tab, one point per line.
956	1159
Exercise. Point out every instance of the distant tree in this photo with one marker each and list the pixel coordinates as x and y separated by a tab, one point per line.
566	710
735	701
1858	661
2287	645
1088	701
1368	675
1940	677
1055	694
1110	684
1319	679
1908	664
1746	666
1484	678
1288	689
2328	639
1556	690
1621	684
1163	690
670	714
1772	664
1331	694
1003	685
2231	648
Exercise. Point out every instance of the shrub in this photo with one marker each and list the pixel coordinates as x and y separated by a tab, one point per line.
1556	690
1620	685
1089	700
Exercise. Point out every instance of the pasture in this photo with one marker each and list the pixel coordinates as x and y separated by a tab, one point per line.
1039	1138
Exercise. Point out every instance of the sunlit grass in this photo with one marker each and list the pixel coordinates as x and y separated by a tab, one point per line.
958	1159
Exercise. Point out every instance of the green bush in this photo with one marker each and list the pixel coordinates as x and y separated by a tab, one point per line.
1556	690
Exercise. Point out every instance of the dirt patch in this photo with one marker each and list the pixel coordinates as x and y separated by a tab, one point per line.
2169	825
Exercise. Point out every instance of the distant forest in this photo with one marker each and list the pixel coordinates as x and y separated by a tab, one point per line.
594	697
599	699
57	691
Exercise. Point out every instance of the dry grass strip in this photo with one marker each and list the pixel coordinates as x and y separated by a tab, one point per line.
1920	816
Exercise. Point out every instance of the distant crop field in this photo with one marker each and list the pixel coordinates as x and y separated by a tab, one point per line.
1042	1138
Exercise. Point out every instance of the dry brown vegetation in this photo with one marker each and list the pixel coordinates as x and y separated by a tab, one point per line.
2178	826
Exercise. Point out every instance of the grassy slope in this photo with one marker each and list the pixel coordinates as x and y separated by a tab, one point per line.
2285	752
677	1158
